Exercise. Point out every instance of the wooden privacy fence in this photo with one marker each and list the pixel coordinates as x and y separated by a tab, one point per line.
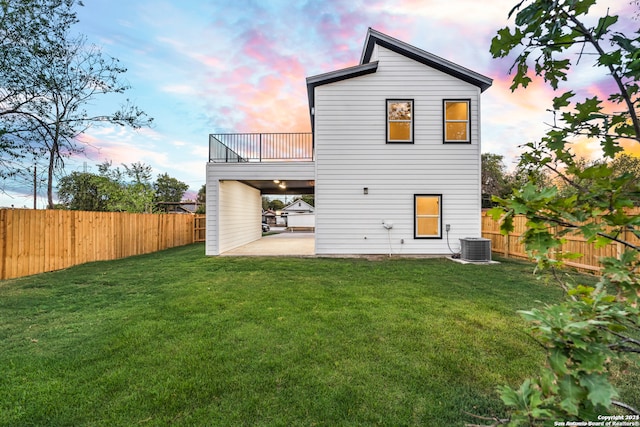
510	246
35	241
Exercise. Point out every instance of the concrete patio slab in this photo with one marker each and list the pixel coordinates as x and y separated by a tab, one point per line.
281	244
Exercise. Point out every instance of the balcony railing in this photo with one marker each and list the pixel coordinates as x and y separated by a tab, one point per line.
260	147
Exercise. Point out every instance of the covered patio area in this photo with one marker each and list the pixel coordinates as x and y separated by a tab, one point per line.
285	243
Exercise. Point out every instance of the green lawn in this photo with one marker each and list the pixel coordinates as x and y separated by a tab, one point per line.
179	338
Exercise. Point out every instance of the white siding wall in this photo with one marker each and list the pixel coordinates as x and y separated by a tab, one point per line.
241	214
351	153
212	246
301	220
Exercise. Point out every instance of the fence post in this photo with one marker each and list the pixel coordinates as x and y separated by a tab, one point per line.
620	246
507	241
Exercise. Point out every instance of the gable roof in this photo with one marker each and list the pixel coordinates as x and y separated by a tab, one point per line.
376	37
298	205
366	67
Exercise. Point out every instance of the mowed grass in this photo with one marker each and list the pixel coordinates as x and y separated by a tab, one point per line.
177	338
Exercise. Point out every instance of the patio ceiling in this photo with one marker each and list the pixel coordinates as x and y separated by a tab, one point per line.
292	187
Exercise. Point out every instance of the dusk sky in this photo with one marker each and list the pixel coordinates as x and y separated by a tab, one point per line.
199	67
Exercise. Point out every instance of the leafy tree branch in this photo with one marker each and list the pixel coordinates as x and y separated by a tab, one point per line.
585	333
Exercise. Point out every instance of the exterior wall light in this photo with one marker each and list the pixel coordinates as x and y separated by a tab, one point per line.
365	190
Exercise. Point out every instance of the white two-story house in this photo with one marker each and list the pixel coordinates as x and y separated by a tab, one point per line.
394	159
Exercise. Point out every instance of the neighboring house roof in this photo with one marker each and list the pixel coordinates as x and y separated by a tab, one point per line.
366	67
298	205
181	207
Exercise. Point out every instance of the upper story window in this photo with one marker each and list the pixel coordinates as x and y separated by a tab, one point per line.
456	120
400	120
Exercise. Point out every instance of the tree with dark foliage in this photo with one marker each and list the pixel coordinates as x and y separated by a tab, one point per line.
49	76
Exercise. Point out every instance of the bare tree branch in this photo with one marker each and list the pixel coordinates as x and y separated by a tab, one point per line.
625	406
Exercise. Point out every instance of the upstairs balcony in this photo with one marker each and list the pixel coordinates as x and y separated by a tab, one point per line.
260	147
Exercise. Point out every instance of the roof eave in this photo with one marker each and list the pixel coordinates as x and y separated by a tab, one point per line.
335	76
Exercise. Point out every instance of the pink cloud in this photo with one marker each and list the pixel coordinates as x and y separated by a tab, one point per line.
255	45
275	106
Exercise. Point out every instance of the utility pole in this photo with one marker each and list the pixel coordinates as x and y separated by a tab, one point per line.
35	188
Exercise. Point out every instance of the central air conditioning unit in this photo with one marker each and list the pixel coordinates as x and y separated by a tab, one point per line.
475	249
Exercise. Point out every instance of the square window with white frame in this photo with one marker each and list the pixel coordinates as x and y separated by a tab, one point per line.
457	123
400	121
428	216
